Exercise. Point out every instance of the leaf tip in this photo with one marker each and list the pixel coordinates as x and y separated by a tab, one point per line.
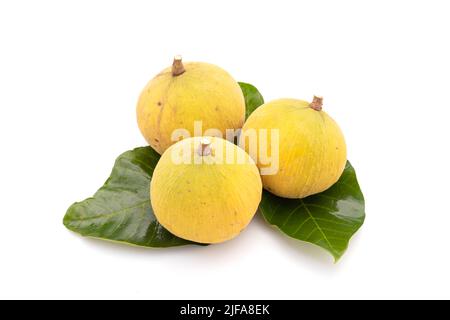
68	217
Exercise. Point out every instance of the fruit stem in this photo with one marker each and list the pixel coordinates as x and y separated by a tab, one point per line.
205	147
177	66
317	103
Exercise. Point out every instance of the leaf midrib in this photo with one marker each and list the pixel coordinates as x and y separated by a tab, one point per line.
318	226
111	214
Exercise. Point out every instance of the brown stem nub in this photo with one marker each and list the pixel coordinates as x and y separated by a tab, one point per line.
205	147
317	103
177	66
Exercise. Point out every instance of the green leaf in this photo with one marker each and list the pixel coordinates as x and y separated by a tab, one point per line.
328	219
121	210
253	99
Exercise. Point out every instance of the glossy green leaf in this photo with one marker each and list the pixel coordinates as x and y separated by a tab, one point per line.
120	210
253	98
328	219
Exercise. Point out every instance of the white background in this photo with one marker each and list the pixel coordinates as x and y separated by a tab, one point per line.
70	76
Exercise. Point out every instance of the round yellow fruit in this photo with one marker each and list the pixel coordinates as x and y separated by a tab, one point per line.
309	154
205	189
187	93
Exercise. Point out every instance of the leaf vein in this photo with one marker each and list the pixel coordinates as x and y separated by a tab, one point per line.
111	214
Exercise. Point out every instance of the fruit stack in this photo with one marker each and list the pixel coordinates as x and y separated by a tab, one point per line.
214	163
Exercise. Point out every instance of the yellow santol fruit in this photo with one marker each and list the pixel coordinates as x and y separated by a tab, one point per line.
205	189
310	152
185	93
